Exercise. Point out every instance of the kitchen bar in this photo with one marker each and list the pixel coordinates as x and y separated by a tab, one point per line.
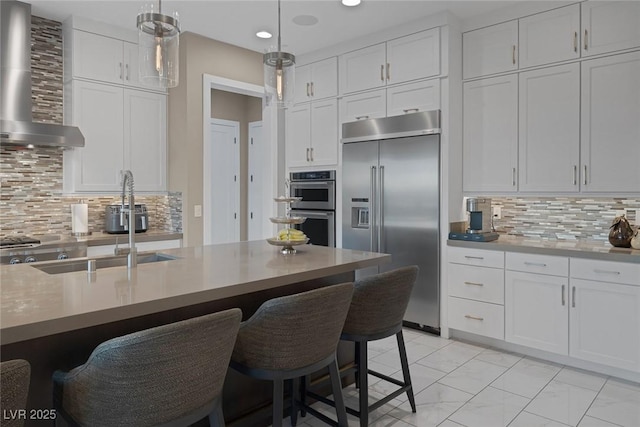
55	320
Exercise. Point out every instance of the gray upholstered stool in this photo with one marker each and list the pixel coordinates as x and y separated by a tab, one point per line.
293	336
167	375
377	308
14	389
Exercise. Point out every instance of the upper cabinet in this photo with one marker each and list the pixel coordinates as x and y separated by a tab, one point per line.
610	26
550	37
400	60
317	80
490	50
312	134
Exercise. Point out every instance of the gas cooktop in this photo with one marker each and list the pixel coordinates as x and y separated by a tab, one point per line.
18	241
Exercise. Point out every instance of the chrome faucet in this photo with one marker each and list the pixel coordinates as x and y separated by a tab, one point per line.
132	258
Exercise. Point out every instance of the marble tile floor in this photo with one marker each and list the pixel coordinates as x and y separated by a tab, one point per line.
462	385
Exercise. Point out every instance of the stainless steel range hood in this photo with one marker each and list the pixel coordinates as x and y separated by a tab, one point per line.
16	124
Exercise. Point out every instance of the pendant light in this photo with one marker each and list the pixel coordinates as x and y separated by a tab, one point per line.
279	74
158	43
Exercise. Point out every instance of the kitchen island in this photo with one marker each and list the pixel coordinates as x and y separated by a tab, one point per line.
56	320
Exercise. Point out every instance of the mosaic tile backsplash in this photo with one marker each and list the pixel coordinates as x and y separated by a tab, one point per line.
563	218
31	199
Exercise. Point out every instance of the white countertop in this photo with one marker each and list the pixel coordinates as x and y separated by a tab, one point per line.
573	248
36	304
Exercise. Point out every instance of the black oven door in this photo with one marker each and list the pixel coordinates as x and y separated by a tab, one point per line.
320	227
315	195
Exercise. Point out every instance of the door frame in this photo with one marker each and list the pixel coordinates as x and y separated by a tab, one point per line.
274	167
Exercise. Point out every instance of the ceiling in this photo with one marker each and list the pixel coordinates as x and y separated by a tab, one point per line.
237	21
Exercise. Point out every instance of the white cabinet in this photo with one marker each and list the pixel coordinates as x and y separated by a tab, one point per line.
549	129
609	26
317	80
550	36
312	134
105	59
610	128
490	134
476	291
490	50
123	129
536	305
605	313
392	101
412	57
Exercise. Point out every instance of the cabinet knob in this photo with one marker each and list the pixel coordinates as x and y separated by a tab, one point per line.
388	71
382	72
586	34
513	54
575	41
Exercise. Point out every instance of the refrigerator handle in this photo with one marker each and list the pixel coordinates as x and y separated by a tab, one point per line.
372	210
381	210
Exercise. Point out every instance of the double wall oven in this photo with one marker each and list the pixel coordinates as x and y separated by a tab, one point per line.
318	205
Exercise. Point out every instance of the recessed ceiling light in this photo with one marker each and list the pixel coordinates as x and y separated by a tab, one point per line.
264	34
350	2
305	20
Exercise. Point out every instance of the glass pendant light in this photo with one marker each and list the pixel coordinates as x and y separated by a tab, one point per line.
279	74
158	43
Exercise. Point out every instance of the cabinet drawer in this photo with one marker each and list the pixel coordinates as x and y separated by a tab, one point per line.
476	317
478	257
606	271
542	264
477	283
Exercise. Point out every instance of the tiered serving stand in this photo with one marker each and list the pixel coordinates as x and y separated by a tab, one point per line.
287	220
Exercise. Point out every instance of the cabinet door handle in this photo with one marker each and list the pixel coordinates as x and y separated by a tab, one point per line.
597	270
575	175
120	70
312	91
473	257
307	154
127	68
382	72
411	110
474	283
388	71
513	54
308	93
575	41
563	298
468	316
585	174
573	296
361	117
513	176
311	149
535	264
586	34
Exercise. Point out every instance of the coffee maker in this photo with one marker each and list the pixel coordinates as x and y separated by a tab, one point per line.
479	215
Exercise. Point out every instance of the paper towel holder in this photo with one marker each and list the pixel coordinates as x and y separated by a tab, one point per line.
79	233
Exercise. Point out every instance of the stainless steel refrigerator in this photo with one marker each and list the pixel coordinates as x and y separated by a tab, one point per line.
391	200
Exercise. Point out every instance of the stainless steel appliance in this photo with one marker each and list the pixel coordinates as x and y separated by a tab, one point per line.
114	225
19	249
479	215
391	200
318	205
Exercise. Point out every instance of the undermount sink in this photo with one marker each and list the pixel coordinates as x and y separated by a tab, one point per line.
69	266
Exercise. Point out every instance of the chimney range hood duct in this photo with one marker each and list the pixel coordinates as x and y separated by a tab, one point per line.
16	124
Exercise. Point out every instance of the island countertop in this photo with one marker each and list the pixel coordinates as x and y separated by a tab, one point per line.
36	304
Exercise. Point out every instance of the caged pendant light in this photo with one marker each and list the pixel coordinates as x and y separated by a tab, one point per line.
279	74
158	43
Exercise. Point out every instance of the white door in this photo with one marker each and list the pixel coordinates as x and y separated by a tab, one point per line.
605	323
224	170
610	134
363	69
324	78
255	180
302	88
413	97
298	135
608	26
324	132
490	50
362	106
97	57
536	311
549	123
413	57
490	134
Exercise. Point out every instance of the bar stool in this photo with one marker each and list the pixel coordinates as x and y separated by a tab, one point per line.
377	309
293	336
14	390
167	375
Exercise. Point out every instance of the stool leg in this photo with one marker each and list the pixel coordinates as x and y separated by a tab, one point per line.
278	397
295	388
405	370
363	379
336	386
216	418
303	395
357	359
